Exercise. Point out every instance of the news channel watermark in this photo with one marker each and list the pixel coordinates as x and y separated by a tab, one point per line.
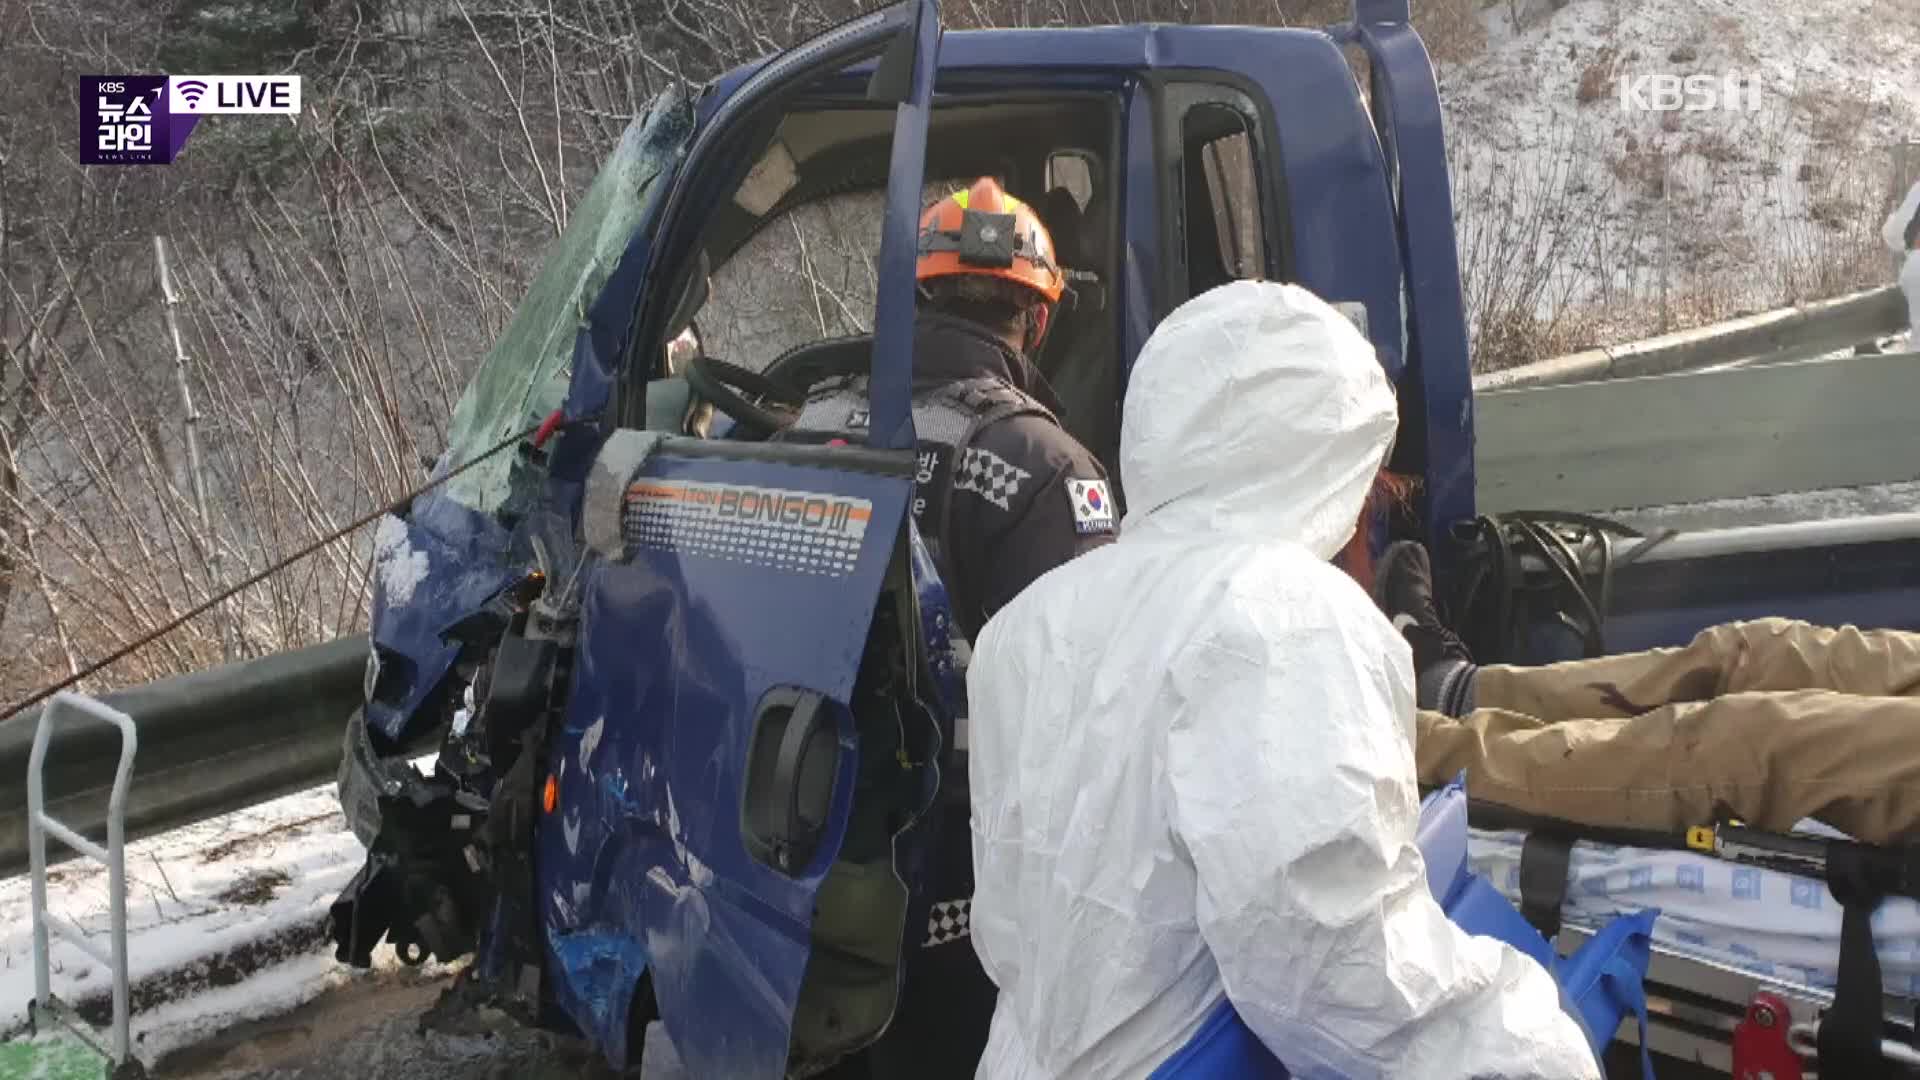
145	119
1731	91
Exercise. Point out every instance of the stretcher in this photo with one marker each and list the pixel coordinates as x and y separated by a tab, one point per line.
1757	967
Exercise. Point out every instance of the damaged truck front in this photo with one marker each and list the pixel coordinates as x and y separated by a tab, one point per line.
449	583
590	683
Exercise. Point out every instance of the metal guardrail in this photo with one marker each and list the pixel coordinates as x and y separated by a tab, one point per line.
1795	333
210	742
1694	436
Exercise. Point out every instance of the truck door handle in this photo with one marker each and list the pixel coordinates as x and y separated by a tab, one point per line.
792	760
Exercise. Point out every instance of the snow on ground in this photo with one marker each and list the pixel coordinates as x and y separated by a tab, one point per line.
1758	199
231	892
1825	505
224	934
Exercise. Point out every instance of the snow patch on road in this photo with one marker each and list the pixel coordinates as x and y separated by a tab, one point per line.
1829	504
183	911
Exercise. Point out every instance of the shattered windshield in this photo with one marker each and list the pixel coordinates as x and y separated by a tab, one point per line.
525	375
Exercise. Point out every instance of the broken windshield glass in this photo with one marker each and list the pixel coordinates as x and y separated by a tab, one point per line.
524	377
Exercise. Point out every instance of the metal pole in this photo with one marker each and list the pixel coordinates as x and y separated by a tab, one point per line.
117	873
193	438
37	860
1666	238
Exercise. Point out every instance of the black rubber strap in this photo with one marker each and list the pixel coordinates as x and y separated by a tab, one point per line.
1544	859
1850	1032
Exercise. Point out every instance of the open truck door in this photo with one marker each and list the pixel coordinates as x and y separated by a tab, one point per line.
743	752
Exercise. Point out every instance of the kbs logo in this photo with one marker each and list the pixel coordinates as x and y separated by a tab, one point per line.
1731	92
123	120
145	119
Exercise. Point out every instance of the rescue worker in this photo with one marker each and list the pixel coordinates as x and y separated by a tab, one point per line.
1003	495
1192	767
1003	490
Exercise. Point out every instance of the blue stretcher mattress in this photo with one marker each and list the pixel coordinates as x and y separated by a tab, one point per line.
1770	924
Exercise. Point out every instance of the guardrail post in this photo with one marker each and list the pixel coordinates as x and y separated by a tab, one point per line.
39	826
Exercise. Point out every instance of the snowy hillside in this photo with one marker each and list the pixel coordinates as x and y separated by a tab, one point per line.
1585	210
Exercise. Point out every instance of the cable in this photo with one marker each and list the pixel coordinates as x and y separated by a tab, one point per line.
1542	533
1561	558
538	432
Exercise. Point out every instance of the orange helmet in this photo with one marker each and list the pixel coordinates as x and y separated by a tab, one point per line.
983	230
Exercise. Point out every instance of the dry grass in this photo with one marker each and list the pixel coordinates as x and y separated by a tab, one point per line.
1598	78
1834	212
1716	147
254	887
1729	35
1451	28
1831	115
1645	172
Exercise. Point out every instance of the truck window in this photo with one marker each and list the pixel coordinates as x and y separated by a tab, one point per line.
792	254
525	375
1225	237
801	262
806	275
1072	171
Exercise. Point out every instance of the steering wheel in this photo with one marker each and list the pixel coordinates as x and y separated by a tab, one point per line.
727	386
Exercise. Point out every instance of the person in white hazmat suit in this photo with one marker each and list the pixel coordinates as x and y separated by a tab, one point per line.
1901	231
1192	762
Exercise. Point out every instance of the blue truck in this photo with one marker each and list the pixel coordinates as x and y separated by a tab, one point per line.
691	693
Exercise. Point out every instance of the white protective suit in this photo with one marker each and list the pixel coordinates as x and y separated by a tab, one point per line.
1192	750
1894	233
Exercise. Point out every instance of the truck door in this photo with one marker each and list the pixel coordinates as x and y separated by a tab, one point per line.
1274	166
721	825
1437	394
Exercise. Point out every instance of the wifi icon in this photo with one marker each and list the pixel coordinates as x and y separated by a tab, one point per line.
192	90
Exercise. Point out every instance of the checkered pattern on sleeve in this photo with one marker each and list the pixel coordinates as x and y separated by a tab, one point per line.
949	920
989	476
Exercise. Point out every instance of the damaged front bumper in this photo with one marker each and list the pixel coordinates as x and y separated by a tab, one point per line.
423	886
449	854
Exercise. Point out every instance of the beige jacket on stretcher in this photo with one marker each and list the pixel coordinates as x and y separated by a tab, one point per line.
1191	752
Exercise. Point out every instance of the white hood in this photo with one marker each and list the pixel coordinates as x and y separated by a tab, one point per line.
1191	750
1893	231
1257	410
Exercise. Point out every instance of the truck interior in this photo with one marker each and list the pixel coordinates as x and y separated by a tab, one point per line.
1059	152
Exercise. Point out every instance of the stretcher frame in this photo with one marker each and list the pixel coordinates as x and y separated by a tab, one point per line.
1694	1005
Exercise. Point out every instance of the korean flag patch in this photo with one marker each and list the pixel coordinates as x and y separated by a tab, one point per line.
1092	505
